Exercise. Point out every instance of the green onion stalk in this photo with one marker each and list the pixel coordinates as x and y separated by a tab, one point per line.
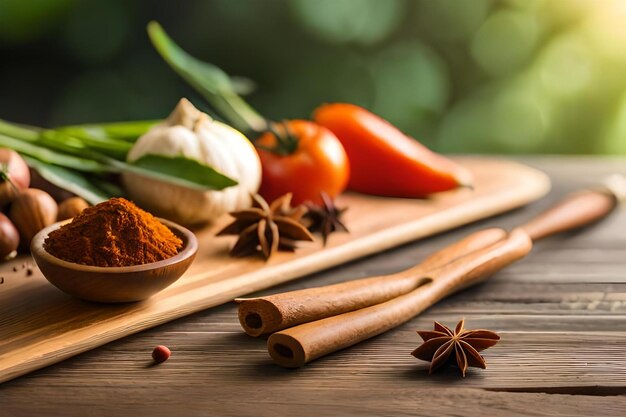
86	159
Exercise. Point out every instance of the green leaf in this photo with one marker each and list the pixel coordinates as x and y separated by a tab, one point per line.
72	181
181	171
210	81
58	140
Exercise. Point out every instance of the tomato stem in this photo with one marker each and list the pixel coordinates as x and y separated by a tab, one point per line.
286	140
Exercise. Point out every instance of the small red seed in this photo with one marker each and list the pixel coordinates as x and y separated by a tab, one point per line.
161	354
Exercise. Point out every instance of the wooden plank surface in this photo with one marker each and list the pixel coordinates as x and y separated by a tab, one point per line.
561	314
47	326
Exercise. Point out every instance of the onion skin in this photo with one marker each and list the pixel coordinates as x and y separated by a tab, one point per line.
18	175
31	211
9	237
71	207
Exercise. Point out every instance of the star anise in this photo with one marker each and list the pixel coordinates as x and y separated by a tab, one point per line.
440	343
326	218
264	229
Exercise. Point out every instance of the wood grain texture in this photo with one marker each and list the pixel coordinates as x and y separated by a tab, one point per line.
561	314
47	326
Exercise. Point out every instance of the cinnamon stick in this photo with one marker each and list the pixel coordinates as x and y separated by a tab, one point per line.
276	312
576	210
298	345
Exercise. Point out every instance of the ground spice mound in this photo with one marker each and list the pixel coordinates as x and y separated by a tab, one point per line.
113	233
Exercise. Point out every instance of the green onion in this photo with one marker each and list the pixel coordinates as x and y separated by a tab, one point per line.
53	157
93	151
113	132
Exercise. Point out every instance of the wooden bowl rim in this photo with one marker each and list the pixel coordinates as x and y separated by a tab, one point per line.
190	247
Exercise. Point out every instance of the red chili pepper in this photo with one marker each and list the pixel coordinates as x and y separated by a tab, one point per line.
383	160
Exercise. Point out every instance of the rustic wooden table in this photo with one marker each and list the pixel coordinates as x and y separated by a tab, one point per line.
561	314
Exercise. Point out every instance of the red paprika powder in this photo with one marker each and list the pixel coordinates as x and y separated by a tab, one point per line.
113	233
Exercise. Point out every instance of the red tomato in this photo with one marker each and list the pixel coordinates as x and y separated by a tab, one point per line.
383	160
306	161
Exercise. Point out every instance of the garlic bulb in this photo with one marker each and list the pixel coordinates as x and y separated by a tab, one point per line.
193	134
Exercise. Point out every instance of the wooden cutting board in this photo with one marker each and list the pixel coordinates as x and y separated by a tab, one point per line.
40	325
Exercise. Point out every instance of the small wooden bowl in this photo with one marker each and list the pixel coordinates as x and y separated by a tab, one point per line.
114	284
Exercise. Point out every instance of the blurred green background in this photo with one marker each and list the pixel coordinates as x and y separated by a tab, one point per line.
509	76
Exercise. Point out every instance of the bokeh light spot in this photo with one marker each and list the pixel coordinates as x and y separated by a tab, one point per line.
519	121
358	21
411	85
615	141
566	66
451	20
505	41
